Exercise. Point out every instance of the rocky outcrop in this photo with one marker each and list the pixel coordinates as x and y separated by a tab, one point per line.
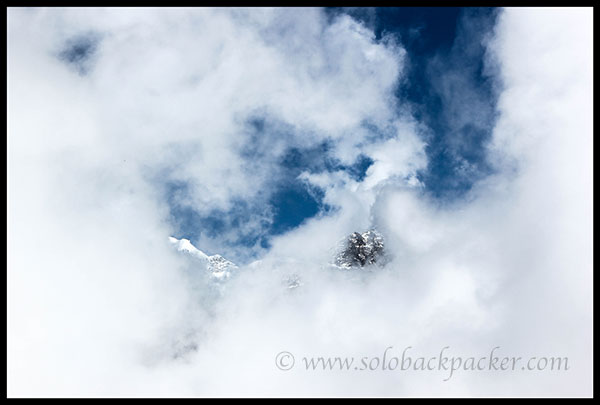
360	250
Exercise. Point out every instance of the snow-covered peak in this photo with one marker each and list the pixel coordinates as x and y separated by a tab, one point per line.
184	245
219	267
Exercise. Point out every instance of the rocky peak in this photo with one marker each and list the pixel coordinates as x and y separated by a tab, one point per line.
361	249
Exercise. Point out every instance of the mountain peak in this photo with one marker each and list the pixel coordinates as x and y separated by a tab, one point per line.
361	249
219	267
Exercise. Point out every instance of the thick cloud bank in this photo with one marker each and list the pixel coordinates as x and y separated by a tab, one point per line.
106	107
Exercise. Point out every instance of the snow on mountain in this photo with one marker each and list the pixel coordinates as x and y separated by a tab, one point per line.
218	267
184	245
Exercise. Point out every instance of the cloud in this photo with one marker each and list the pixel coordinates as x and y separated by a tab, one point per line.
100	304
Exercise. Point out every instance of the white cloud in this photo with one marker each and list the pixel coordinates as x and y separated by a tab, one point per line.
98	302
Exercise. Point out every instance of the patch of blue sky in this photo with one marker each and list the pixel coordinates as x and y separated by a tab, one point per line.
293	203
79	51
284	204
319	159
228	227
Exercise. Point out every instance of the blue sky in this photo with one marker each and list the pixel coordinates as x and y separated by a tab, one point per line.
445	86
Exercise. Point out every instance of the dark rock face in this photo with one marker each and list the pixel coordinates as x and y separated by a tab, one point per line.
361	250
